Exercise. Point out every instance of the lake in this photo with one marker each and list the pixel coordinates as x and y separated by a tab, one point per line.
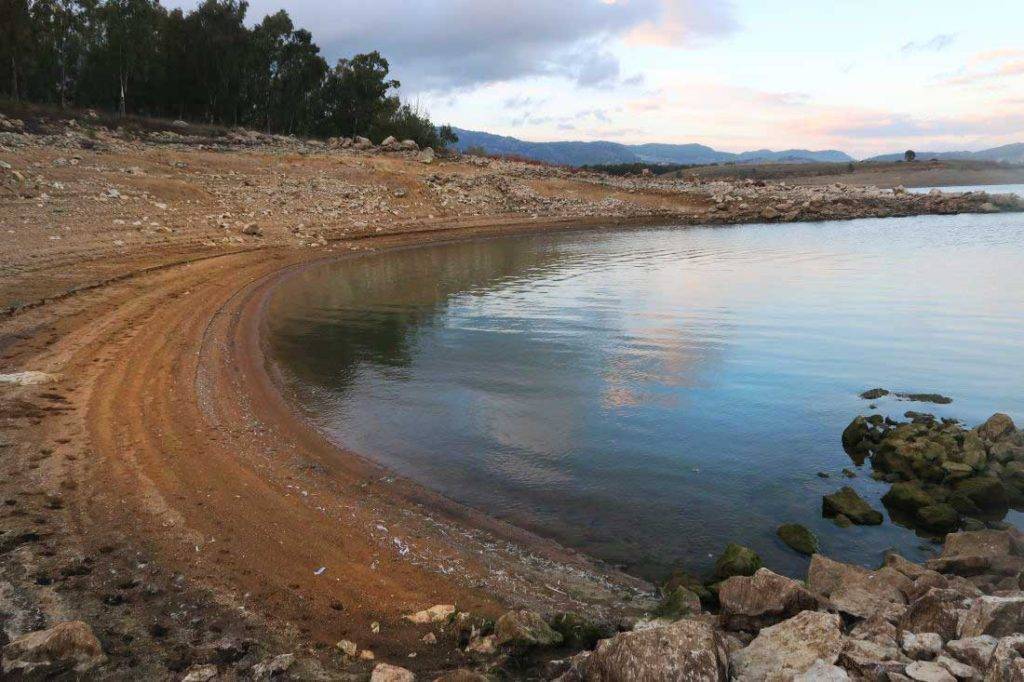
648	395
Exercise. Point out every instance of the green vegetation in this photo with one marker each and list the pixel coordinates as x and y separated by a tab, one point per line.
206	65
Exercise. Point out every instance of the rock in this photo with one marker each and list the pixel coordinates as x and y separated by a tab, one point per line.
960	671
201	673
682	578
926	671
677	604
1007	663
435	614
685	650
856	591
252	229
822	672
907	496
737	560
798	538
769	213
751	603
348	648
384	672
935	611
462	675
908	568
28	378
995	616
869	660
578	632
875	629
974	552
842	521
278	665
791	648
921	646
847	502
855	435
974	651
426	155
997	427
524	629
986	492
941	518
66	648
874	394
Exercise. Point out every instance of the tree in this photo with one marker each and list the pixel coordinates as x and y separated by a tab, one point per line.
909	155
355	95
15	45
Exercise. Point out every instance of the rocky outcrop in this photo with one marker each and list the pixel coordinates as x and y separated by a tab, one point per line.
847	503
524	629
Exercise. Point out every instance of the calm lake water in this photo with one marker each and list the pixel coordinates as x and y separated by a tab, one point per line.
650	395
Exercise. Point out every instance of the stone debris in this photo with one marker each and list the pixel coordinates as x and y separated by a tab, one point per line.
68	648
435	614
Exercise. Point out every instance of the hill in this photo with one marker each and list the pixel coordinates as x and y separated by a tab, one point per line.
571	153
1008	153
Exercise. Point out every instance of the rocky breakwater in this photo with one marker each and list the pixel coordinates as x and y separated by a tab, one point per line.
943	475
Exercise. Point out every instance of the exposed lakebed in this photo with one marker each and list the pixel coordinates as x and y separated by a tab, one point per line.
650	395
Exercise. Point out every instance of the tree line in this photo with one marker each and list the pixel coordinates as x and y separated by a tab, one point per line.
137	57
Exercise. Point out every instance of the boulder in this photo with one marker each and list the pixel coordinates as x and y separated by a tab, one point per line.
578	632
974	651
201	673
524	629
856	438
383	672
975	552
68	648
682	578
426	155
766	598
939	518
995	616
869	660
435	614
875	629
935	611
273	667
926	671
997	427
907	496
737	560
798	538
790	648
678	603
847	502
856	591
1007	663
987	493
822	672
960	671
874	394
684	650
921	646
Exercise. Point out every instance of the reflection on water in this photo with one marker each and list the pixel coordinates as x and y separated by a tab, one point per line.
650	395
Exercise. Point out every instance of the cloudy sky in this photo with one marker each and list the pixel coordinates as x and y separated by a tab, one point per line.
864	76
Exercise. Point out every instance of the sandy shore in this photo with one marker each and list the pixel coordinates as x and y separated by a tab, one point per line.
158	486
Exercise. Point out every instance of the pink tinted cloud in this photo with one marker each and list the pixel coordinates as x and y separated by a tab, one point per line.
685	23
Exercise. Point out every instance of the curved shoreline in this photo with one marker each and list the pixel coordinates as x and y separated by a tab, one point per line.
178	444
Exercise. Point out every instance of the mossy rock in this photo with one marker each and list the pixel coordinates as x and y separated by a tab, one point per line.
841	521
679	603
874	394
682	578
847	502
986	492
579	632
941	518
798	538
907	497
737	560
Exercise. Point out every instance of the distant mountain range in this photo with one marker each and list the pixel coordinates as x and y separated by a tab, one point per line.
592	153
589	153
1008	153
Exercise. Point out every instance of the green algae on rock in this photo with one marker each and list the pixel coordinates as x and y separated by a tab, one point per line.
737	560
798	538
847	502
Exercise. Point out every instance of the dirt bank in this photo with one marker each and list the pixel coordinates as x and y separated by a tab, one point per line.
156	486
